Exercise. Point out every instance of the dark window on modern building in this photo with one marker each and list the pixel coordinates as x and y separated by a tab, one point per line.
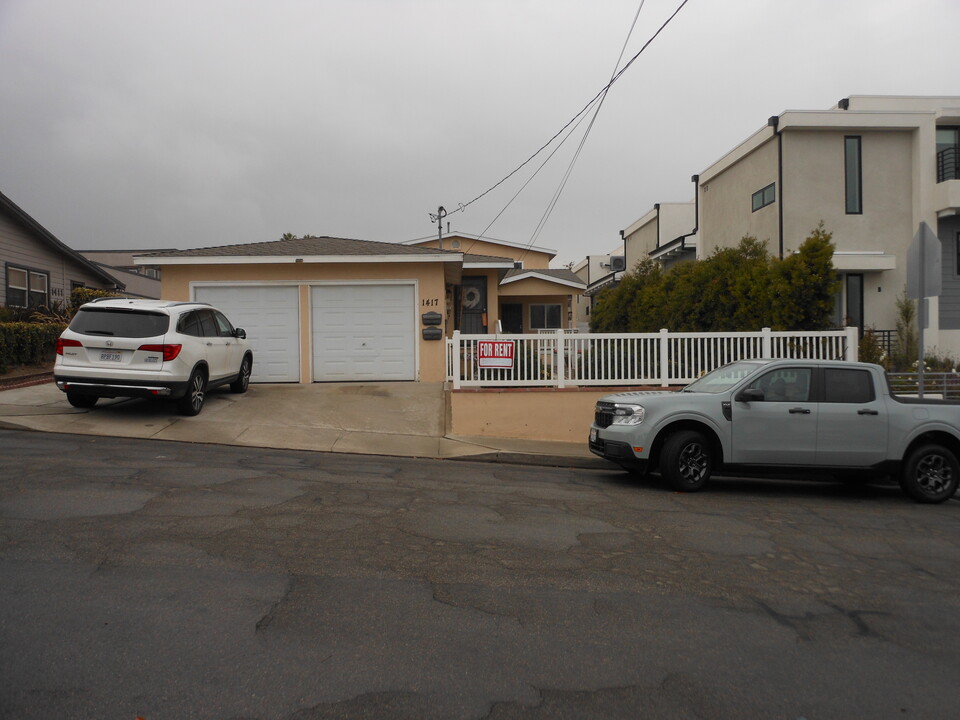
853	174
847	386
764	197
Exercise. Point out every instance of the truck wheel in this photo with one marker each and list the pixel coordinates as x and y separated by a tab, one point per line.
930	474
192	402
686	461
81	401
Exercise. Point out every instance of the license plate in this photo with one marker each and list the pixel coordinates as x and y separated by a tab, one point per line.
593	434
106	356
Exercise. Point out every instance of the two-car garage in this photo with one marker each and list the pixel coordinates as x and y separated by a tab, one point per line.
357	331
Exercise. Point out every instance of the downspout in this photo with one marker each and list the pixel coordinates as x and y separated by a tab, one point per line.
774	122
656	206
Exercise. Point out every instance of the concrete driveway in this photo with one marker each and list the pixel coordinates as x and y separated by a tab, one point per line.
400	419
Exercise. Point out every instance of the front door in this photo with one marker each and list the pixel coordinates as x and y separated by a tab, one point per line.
511	318
473	305
781	429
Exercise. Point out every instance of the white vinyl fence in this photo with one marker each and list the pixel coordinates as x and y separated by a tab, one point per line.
561	359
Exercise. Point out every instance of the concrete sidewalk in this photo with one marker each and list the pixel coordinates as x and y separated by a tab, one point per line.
398	419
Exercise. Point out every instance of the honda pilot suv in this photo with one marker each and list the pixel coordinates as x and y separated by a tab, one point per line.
118	347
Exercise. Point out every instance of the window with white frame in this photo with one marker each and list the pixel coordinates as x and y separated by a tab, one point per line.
545	316
27	288
39	289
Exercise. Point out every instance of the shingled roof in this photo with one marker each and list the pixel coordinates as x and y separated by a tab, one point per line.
305	247
562	275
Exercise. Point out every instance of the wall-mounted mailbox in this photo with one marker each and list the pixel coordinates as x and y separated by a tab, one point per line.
431	318
432	333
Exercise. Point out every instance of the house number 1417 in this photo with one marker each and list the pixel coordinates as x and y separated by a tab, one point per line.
427	302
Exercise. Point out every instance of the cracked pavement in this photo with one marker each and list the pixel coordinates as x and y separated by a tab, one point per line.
162	580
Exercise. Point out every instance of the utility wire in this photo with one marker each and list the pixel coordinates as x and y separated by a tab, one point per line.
596	111
586	108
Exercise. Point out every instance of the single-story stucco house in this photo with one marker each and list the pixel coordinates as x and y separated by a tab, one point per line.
324	309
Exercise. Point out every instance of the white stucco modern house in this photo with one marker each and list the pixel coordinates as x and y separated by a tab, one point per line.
872	168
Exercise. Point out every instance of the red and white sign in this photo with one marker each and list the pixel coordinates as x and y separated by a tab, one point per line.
495	353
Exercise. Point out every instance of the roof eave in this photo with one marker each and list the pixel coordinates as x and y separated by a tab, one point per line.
292	259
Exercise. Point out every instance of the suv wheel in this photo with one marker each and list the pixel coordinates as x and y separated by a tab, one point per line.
81	401
242	382
192	402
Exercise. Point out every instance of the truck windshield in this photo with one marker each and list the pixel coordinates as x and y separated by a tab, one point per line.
723	378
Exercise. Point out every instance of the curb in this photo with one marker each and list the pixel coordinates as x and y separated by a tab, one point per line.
25	381
539	460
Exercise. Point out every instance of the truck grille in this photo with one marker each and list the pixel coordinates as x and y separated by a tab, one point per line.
603	414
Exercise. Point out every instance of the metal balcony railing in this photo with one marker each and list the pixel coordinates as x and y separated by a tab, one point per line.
947	164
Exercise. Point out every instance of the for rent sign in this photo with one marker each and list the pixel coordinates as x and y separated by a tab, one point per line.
495	353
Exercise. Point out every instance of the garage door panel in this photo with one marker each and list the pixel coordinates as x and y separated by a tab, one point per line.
271	318
363	332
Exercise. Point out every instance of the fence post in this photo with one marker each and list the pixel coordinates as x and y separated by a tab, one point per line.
664	357
851	350
457	359
561	359
766	343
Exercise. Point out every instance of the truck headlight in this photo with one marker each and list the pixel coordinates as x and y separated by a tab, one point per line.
626	414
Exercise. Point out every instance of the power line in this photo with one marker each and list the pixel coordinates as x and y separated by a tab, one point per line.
596	111
576	118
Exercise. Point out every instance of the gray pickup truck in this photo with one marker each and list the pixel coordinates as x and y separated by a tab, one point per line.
793	416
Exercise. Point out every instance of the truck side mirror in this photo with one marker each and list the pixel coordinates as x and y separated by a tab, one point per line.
750	395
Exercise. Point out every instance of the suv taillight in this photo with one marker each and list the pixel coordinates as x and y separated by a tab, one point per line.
169	352
61	344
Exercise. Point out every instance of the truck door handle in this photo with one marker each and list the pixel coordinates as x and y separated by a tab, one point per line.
867	412
799	411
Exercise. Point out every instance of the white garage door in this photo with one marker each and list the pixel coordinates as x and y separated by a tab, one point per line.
364	332
271	318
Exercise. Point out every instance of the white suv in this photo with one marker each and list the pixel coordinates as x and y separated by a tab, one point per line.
118	347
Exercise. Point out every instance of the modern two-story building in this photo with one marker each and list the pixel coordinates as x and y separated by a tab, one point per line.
872	169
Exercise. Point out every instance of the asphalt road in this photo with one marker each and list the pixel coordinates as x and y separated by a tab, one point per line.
169	581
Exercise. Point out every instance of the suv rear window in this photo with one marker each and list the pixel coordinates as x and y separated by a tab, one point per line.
120	323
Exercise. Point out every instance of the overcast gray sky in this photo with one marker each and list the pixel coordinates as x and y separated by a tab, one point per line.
189	123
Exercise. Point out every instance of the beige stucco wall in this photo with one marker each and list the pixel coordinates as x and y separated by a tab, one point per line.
638	244
814	190
535	414
178	282
726	213
529	257
565	301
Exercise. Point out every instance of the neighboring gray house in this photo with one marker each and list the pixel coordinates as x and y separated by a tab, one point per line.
140	280
38	269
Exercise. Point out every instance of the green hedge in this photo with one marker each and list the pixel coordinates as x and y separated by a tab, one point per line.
24	343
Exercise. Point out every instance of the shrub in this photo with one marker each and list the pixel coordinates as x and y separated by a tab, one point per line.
870	350
27	343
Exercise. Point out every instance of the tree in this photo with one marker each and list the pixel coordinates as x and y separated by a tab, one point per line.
804	285
740	288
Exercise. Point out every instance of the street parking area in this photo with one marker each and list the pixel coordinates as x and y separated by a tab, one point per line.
155	579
